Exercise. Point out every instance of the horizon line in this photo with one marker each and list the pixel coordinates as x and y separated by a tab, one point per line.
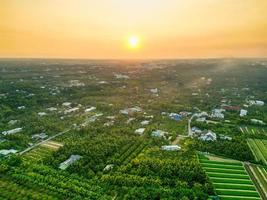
171	58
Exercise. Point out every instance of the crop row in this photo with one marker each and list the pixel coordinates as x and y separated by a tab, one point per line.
223	166
259	176
234	192
259	149
230	180
135	153
225	170
10	190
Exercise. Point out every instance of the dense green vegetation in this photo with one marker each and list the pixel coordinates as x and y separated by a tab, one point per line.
84	100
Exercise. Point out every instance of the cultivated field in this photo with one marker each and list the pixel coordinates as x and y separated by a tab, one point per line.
259	149
251	130
230	180
259	176
43	151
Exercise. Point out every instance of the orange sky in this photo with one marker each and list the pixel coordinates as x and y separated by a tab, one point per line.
100	28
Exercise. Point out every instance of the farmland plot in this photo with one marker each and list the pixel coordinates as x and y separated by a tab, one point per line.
259	176
230	180
259	149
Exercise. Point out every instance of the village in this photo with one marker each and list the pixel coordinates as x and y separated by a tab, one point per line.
113	117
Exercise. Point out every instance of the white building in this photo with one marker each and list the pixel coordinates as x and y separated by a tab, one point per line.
5	152
256	102
51	109
243	113
40	136
41	114
159	133
209	136
170	148
13	131
108	167
257	121
71	110
145	122
121	76
21	107
132	110
140	131
73	158
90	109
67	104
218	113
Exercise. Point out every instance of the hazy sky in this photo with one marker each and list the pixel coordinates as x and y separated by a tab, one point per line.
100	28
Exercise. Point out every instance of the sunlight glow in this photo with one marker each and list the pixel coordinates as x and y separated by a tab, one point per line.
133	42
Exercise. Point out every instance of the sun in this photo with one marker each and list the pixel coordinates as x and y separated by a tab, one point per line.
133	42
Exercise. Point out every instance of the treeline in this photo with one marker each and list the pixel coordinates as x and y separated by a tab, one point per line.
237	148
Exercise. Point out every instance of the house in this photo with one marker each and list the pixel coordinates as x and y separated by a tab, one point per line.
175	116
51	109
102	82
129	111
218	113
73	158
170	148
40	136
209	136
121	76
13	131
145	122
256	102
5	152
155	92
75	83
159	133
108	167
66	104
257	121
90	109
41	114
21	107
243	113
71	110
140	131
185	113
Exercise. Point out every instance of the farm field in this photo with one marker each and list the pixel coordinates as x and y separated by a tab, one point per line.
259	149
43	151
251	130
259	176
230	180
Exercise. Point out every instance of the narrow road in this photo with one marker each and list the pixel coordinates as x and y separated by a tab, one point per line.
42	142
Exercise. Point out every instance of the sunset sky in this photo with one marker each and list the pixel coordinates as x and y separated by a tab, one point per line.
102	28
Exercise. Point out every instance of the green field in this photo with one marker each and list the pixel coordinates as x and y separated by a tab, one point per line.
230	180
259	149
252	130
259	176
